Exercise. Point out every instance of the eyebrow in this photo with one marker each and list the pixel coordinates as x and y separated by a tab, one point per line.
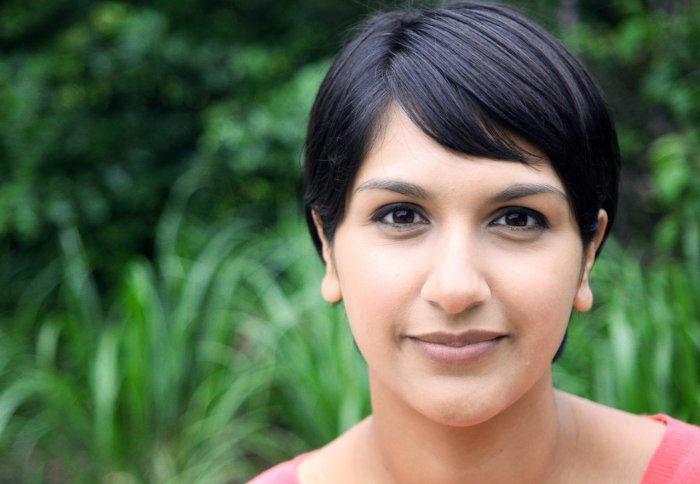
523	190
400	187
514	192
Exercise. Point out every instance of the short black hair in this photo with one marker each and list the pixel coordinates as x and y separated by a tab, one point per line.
474	77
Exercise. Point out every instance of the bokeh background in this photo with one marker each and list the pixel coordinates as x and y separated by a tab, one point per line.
160	319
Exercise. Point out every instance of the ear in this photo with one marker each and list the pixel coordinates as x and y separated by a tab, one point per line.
584	296
330	286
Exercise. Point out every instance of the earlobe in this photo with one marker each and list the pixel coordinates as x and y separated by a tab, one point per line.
330	285
584	295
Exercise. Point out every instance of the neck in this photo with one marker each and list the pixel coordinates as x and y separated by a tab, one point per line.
521	444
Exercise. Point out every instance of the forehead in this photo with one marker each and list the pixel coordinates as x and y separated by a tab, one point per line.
403	151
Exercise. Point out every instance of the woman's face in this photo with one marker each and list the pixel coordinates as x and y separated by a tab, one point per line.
458	274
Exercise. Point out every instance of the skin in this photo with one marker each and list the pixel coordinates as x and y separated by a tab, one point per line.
436	242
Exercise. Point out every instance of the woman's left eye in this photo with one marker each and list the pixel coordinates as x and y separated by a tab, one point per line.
521	218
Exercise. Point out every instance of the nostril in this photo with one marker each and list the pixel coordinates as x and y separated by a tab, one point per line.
455	293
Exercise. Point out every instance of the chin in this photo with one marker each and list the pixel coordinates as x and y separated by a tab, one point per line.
461	418
452	411
472	405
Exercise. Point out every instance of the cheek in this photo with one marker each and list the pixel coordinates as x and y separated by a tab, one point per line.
378	285
551	271
538	291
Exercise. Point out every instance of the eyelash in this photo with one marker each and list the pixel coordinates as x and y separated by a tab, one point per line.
539	220
382	213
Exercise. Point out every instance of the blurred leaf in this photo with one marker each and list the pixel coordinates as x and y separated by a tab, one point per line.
670	167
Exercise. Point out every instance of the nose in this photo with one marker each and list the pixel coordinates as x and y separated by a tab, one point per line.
456	281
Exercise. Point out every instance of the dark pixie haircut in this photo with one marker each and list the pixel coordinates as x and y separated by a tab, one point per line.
475	77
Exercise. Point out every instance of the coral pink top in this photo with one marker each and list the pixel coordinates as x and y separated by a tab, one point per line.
675	461
677	458
284	473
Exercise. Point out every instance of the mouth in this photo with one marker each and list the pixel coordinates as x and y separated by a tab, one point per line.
457	340
465	347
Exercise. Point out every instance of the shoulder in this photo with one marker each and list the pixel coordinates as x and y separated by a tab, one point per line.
333	459
283	473
338	458
609	445
654	449
677	458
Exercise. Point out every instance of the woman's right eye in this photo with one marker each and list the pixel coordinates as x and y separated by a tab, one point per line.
400	216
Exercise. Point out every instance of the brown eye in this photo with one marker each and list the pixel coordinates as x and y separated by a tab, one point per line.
403	216
521	218
400	215
516	219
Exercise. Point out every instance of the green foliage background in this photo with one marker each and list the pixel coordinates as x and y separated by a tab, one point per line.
159	313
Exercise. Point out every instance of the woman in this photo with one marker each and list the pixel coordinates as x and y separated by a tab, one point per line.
461	173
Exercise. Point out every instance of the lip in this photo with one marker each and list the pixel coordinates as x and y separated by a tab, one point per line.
465	347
